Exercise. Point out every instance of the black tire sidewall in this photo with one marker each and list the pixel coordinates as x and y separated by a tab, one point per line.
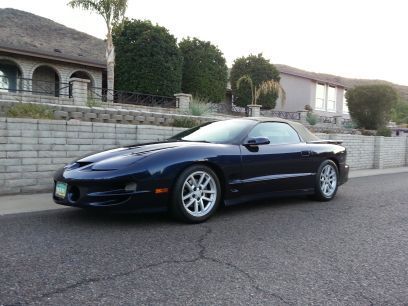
318	192
176	204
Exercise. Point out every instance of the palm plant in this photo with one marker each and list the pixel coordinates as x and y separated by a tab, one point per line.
113	12
266	87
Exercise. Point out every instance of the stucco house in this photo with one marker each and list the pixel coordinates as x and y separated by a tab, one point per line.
38	55
324	93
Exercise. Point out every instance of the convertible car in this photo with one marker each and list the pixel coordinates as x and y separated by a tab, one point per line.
218	163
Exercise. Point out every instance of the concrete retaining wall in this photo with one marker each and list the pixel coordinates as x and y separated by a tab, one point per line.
31	150
108	114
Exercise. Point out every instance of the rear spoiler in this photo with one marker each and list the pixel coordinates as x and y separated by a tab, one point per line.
328	141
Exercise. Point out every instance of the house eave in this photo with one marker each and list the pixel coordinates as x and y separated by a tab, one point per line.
54	58
314	79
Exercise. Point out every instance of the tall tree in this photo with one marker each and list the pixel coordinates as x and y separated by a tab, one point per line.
149	60
113	12
205	71
259	69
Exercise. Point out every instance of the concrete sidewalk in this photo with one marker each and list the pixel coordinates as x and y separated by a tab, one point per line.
15	204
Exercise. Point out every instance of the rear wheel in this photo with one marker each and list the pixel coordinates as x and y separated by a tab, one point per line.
326	181
196	195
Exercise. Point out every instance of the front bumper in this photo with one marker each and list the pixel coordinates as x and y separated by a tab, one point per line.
344	174
88	195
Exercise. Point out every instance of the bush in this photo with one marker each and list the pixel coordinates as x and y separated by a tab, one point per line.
27	110
384	131
311	118
399	113
205	72
184	122
148	59
370	105
259	70
199	106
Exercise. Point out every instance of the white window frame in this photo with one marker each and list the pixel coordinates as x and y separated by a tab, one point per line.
334	102
323	108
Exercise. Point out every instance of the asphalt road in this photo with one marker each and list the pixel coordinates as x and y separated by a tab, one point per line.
353	250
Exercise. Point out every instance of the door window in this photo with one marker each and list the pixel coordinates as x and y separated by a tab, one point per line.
277	133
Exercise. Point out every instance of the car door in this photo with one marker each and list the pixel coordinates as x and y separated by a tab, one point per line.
282	165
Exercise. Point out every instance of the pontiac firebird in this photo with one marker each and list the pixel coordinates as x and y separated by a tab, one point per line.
218	163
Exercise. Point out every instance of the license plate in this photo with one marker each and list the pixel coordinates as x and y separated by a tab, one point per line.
61	189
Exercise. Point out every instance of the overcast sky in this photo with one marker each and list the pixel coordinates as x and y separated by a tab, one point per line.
351	38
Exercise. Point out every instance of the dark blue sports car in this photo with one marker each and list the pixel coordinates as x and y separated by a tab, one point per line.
193	173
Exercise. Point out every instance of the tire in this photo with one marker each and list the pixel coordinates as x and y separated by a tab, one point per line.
196	195
327	181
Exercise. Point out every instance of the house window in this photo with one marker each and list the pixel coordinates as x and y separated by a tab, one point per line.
331	99
345	105
4	82
320	97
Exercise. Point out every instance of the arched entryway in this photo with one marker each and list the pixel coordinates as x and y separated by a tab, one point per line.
46	81
10	76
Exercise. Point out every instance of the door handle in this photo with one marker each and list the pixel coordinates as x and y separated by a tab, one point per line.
305	153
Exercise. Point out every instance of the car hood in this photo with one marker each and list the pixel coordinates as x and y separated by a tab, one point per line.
123	157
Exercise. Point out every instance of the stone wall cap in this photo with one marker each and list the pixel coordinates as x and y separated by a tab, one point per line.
183	95
79	80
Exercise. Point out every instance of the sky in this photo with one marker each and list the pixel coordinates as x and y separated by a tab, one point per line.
350	38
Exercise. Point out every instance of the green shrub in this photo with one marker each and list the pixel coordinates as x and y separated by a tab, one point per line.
184	122
27	110
399	113
370	105
384	131
311	118
198	106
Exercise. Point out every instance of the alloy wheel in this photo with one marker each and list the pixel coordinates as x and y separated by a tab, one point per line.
199	193
328	180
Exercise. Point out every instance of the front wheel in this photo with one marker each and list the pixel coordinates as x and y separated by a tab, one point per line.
196	195
326	181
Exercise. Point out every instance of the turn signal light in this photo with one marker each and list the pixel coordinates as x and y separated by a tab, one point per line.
161	190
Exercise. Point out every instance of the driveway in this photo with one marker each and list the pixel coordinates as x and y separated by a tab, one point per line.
352	250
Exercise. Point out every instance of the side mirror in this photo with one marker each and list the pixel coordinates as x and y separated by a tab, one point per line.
257	141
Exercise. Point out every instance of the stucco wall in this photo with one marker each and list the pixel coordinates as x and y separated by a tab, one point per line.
301	91
298	93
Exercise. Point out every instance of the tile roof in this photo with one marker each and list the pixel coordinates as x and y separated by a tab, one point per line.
26	33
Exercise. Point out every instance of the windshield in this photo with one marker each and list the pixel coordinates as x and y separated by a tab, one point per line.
217	132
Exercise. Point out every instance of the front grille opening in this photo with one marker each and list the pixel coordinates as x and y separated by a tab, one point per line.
73	194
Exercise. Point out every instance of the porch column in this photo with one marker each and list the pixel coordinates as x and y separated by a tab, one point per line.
79	90
183	101
255	110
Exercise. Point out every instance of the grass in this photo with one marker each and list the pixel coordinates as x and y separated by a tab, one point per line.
27	110
93	103
184	122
